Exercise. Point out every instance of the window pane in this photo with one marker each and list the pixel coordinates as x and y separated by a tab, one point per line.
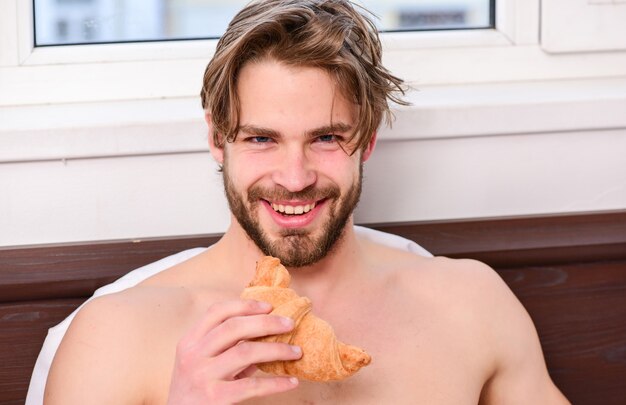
103	21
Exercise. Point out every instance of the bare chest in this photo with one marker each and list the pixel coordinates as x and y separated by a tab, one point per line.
404	375
420	354
416	359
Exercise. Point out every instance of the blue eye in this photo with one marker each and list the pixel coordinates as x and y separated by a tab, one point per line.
327	138
260	139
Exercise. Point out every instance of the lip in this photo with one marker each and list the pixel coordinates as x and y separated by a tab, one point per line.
294	221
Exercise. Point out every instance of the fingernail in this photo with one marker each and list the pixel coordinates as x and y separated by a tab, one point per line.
296	349
286	321
293	380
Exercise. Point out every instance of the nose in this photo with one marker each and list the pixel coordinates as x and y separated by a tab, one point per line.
295	170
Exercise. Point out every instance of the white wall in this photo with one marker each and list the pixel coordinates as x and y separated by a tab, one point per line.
499	127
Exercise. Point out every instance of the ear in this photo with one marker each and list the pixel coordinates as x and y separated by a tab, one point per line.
367	152
216	151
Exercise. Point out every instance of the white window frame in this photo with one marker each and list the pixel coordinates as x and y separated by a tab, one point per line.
130	71
517	24
53	100
516	20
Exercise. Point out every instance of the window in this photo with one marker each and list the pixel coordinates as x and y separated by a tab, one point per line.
135	70
510	50
106	21
121	100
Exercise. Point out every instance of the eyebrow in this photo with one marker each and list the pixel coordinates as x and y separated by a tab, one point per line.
338	127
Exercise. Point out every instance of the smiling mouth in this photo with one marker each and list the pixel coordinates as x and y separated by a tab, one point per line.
289	209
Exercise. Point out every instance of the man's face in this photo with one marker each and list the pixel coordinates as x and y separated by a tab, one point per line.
289	183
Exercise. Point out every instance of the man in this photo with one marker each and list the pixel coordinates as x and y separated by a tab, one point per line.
293	98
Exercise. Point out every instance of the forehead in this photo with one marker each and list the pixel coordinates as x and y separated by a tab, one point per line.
290	99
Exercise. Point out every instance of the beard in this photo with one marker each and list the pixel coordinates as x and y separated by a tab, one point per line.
295	247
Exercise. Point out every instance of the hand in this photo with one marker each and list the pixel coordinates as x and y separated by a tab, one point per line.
215	360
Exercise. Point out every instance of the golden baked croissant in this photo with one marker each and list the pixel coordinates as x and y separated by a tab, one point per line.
324	358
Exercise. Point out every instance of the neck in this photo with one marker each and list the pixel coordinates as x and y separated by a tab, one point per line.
237	254
319	281
334	272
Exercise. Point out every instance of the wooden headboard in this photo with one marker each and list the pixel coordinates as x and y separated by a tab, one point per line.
569	271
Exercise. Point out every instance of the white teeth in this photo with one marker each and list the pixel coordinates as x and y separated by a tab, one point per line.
293	209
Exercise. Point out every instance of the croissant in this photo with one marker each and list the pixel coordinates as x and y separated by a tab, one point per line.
323	358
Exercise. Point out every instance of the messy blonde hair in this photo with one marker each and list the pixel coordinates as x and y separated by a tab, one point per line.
327	34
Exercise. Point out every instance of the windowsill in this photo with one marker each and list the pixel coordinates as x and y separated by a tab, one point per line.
175	125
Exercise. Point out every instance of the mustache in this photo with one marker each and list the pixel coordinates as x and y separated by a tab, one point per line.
279	193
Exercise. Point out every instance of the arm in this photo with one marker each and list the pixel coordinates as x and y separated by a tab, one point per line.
95	360
520	374
108	357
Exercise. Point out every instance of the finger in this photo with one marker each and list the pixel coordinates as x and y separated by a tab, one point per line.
238	328
247	372
246	388
238	358
220	311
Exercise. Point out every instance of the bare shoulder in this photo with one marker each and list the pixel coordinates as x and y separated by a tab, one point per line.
475	299
111	339
459	276
471	282
128	339
467	307
466	293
